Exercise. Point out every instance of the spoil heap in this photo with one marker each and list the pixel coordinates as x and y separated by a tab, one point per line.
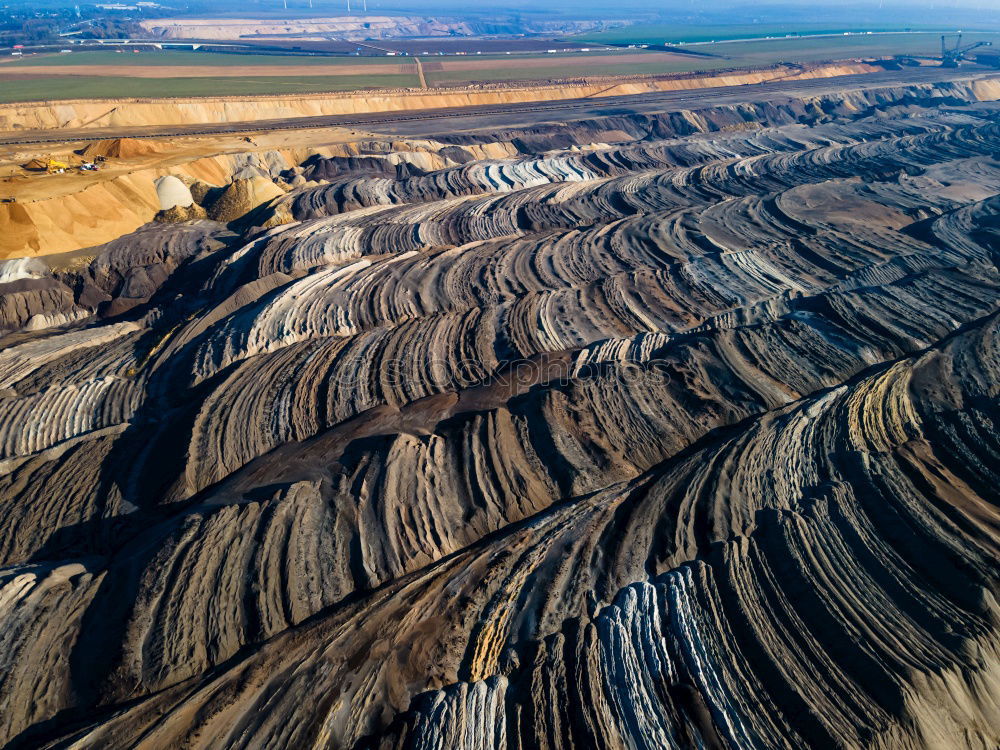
686	442
120	148
242	196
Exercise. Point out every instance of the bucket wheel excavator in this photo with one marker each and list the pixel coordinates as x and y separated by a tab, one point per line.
952	57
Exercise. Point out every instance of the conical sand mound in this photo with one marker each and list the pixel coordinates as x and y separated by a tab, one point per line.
171	192
243	196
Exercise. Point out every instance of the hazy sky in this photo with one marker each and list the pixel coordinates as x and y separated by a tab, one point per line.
614	8
688	6
940	14
821	10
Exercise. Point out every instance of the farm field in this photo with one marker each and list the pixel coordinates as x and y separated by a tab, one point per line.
109	74
547	67
209	60
164	74
456	74
198	71
760	52
29	89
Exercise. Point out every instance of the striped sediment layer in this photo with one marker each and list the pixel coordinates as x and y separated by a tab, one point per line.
687	441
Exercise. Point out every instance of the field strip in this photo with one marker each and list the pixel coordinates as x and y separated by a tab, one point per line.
195	71
340	69
831	35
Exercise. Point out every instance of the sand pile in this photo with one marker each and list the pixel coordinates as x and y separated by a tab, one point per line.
121	148
172	192
179	214
203	192
241	197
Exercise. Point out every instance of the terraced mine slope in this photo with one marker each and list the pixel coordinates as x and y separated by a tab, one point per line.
688	441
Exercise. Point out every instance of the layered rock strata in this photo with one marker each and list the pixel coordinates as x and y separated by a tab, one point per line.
687	442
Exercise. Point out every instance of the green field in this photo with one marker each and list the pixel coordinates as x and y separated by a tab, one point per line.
110	87
675	34
765	52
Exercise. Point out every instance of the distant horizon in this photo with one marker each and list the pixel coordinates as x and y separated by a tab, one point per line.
872	12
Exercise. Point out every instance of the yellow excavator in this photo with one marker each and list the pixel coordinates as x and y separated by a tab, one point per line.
55	167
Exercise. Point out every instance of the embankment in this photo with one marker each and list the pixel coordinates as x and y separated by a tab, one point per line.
101	212
88	113
68	220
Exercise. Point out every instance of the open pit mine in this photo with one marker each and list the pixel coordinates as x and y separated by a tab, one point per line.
641	430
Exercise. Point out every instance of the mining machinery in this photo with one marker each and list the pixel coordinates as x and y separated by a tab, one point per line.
953	57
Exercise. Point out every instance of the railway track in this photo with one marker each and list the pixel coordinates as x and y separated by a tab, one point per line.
681	99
